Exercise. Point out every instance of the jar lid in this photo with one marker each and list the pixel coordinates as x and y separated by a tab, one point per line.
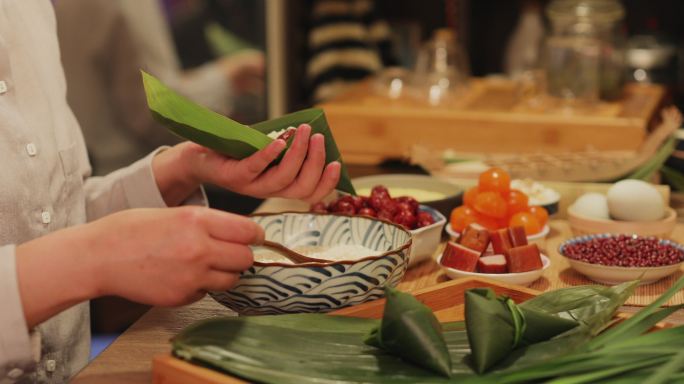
586	10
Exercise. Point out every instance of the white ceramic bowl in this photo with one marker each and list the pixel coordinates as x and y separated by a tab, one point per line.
538	238
612	275
523	278
426	240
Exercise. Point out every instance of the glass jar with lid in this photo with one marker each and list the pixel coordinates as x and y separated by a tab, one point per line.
584	52
442	71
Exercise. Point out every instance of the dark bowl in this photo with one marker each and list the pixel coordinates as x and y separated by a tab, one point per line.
452	194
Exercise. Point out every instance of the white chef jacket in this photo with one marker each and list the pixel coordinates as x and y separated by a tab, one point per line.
45	186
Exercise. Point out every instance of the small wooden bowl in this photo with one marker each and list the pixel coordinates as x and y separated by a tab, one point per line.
583	225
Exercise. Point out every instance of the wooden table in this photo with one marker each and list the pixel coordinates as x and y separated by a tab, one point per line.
129	358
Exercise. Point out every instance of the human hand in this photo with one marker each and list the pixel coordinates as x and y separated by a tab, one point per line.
152	256
301	174
171	256
245	71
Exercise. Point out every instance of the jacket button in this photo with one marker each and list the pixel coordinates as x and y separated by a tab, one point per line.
15	373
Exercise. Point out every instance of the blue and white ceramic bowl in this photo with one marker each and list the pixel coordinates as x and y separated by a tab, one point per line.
276	288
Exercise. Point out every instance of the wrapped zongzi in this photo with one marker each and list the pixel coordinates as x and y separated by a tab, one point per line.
411	331
497	325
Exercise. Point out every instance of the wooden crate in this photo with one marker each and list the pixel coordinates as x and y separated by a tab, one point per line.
491	118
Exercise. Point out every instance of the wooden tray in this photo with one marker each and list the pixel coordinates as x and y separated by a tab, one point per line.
446	299
369	128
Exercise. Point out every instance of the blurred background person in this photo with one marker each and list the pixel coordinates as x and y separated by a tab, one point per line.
104	46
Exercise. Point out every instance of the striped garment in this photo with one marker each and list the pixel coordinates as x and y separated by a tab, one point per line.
347	42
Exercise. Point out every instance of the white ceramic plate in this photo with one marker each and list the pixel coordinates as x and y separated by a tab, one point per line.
523	278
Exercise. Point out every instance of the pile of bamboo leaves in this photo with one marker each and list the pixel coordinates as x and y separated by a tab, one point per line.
313	348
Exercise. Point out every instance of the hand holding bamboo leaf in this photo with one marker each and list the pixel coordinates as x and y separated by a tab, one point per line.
243	158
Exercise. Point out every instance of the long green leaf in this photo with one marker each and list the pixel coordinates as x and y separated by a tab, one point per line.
314	348
224	135
665	372
622	329
618	369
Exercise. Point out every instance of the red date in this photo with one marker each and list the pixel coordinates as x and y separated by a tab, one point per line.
403	210
287	134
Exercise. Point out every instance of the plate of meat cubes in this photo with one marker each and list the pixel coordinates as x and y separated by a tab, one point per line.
503	255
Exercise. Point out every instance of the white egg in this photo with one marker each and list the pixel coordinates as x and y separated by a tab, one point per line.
592	204
635	200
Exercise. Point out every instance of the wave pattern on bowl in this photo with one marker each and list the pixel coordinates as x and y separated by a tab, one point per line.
273	288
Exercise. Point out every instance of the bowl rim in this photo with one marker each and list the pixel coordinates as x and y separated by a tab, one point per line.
670	215
459	189
440	219
403	247
546	263
556	195
585	238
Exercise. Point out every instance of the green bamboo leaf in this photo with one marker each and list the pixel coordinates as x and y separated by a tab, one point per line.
616	332
316	348
411	331
615	370
224	135
664	373
646	170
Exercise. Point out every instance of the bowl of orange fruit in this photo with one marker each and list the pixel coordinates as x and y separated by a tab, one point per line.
492	204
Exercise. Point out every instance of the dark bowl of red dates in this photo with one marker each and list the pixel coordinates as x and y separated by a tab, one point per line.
614	259
425	223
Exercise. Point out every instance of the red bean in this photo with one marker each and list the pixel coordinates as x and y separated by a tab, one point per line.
625	251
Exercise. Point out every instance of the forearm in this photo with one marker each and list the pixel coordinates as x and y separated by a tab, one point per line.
55	272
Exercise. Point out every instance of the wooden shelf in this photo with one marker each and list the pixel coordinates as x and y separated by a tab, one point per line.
489	118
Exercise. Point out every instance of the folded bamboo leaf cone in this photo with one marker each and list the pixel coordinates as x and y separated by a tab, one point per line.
411	331
496	326
196	123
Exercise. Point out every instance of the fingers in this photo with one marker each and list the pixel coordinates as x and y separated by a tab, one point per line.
232	228
230	257
255	164
220	281
311	170
282	175
328	182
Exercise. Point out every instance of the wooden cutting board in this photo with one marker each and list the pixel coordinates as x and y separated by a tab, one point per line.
445	299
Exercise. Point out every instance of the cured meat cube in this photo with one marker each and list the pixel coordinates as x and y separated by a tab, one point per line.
501	241
524	258
475	239
459	257
492	264
517	235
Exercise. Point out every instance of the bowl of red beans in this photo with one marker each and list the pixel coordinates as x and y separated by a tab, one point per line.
613	259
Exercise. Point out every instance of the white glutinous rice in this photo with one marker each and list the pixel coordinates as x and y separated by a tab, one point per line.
275	134
337	252
344	252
